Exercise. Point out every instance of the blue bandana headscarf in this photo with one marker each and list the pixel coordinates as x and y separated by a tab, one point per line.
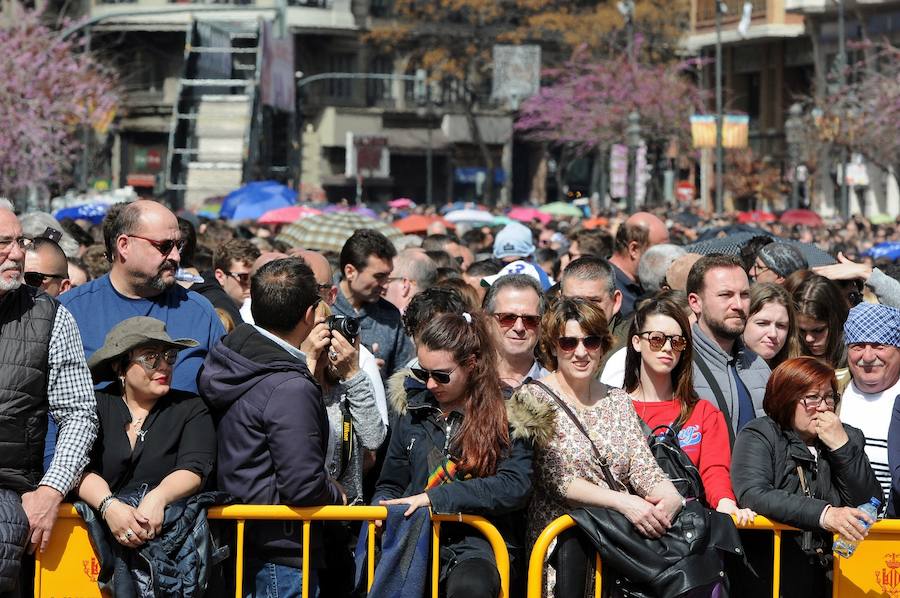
873	323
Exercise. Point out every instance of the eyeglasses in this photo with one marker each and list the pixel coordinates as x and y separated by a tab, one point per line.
323	289
813	401
23	242
439	376
759	269
164	247
570	343
508	320
36	279
243	278
151	360
657	340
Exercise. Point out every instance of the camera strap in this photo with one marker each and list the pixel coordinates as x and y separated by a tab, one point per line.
346	438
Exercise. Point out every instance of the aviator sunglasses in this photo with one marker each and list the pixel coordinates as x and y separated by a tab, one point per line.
438	376
657	340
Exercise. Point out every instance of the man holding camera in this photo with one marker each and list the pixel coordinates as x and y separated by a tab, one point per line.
273	429
367	260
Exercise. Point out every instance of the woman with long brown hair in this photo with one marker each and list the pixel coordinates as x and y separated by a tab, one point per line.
455	449
771	330
659	379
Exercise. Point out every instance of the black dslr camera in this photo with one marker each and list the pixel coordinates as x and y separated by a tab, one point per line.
346	325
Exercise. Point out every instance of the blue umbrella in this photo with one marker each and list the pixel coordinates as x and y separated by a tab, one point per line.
255	199
92	212
889	250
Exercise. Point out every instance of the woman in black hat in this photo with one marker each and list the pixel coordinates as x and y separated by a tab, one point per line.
155	444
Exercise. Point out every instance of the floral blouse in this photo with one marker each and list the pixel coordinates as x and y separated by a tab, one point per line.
615	430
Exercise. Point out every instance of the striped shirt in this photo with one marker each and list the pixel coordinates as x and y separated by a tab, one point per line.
871	413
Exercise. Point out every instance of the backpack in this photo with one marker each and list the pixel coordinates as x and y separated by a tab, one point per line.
663	443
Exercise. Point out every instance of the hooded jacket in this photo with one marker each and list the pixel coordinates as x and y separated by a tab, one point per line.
272	434
500	498
752	369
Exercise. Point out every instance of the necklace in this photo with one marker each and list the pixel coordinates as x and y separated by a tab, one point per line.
136	423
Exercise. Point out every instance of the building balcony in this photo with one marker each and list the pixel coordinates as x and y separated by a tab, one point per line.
706	11
176	14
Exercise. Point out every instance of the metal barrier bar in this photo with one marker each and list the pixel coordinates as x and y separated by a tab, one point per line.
243	513
561	524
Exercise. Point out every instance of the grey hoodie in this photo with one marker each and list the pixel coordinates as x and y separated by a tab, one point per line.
752	369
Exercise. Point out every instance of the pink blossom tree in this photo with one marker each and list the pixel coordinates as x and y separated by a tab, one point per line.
51	90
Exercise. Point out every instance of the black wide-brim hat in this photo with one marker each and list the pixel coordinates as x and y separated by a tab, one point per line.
127	335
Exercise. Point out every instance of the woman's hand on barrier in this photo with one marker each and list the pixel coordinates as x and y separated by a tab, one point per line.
153	509
126	524
846	522
830	430
414	502
729	507
643	515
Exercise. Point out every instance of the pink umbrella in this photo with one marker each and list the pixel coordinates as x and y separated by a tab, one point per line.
401	203
524	214
287	215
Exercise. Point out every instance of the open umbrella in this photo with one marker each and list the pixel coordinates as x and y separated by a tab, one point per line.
255	199
418	223
881	219
401	203
755	216
731	245
561	208
596	222
469	215
889	250
460	205
329	232
92	212
526	215
287	215
803	217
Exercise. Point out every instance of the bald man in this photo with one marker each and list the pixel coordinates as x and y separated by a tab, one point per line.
640	232
46	267
143	242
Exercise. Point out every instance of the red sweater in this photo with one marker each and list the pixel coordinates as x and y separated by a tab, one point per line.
704	438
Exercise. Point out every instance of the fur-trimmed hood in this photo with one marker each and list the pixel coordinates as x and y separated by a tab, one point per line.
529	417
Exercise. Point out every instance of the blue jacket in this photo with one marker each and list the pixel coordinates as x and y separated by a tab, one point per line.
272	434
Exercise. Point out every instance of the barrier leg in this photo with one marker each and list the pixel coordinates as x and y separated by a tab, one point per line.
305	581
776	565
37	573
435	557
239	561
370	562
598	577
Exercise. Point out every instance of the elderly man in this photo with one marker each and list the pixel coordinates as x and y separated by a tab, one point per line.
46	267
726	373
516	304
872	334
633	238
43	372
776	261
413	272
143	242
654	264
367	260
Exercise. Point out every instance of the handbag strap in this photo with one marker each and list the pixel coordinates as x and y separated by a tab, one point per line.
803	485
717	391
607	474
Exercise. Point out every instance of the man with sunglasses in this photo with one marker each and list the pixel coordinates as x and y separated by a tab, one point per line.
46	267
232	262
42	372
143	243
516	305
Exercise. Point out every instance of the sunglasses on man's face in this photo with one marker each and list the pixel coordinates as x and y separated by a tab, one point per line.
657	340
439	376
163	247
36	279
508	320
570	343
243	278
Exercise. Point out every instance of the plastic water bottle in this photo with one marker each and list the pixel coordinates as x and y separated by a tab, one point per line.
185	276
846	548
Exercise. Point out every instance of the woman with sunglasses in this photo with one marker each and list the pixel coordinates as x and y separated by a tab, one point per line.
799	465
456	449
574	338
659	379
155	445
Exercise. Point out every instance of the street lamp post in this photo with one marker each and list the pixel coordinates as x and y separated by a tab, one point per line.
842	78
793	132
633	136
626	8
721	7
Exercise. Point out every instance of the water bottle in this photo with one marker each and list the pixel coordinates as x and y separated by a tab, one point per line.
185	276
846	548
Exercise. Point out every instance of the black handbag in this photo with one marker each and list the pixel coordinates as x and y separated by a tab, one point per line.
687	557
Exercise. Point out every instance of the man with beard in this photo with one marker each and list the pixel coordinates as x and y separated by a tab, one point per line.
143	242
42	370
726	373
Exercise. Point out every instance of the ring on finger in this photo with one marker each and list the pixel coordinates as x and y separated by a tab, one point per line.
128	534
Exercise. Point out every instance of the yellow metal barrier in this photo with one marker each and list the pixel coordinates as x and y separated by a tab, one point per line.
69	567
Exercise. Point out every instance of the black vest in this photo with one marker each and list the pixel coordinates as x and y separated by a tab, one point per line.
26	320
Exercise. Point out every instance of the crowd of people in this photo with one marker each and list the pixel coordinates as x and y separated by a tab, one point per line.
160	364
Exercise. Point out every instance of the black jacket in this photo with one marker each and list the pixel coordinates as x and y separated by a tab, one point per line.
14	529
765	479
272	434
420	430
